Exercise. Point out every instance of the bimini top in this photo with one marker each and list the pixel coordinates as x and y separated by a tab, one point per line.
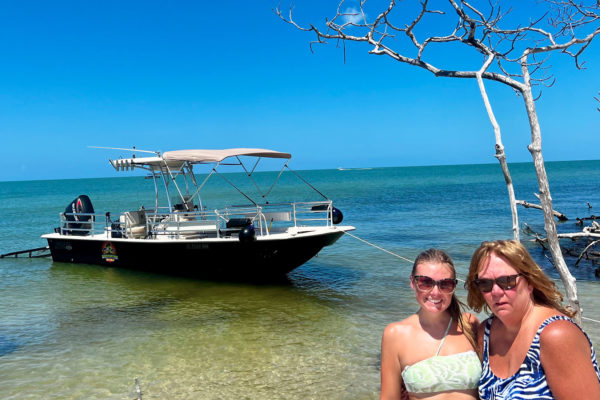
176	158
210	156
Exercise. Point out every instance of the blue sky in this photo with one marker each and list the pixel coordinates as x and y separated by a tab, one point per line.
166	76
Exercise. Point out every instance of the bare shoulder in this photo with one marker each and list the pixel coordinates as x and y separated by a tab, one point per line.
561	333
401	329
565	355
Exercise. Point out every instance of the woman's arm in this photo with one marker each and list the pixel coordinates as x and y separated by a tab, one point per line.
565	356
391	378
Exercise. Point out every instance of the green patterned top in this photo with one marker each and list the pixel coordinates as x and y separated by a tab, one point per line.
440	373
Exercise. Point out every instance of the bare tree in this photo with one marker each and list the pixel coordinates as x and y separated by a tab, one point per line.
410	31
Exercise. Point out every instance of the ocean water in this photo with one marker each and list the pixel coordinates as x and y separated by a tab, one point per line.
86	332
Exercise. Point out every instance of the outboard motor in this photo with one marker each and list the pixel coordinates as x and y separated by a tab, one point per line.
336	213
78	225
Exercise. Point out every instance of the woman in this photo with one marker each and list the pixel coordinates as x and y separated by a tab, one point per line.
530	346
431	353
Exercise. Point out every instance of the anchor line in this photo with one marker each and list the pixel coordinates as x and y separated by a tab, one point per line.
590	319
387	251
377	247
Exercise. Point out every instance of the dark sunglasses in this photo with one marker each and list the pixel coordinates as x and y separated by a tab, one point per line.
506	282
426	284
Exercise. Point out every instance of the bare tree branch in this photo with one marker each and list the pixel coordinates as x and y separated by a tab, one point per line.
474	28
595	242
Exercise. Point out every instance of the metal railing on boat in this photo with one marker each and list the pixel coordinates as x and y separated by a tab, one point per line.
145	224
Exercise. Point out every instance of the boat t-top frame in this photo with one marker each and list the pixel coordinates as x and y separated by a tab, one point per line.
168	166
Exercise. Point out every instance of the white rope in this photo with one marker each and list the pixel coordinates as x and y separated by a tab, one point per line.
380	248
590	319
387	251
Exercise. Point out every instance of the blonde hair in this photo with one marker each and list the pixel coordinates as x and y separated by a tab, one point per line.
545	291
455	309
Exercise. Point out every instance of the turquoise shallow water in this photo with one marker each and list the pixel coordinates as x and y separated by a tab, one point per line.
85	332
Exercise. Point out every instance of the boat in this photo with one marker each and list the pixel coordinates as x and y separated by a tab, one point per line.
180	235
353	169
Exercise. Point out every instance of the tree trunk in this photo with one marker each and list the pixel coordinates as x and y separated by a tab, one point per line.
535	148
500	155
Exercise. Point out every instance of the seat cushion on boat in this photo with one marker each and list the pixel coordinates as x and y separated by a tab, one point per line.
238	222
134	224
278	216
186	228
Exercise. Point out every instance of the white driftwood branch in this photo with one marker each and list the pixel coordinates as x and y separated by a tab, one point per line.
500	155
578	235
559	215
595	242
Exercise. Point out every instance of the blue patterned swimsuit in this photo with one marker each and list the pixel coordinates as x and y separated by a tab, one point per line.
530	380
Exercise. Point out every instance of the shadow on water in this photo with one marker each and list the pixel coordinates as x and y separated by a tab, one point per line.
334	277
322	275
7	345
99	314
16	339
119	299
252	279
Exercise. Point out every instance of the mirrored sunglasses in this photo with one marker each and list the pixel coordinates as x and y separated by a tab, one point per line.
426	284
506	282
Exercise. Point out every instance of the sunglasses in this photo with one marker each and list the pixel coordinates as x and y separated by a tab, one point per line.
426	284
506	282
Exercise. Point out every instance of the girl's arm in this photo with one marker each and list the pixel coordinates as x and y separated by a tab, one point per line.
391	377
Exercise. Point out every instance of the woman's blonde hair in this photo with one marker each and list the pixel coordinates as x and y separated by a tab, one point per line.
514	253
455	309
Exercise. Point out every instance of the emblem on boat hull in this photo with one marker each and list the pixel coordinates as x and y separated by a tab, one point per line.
109	253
